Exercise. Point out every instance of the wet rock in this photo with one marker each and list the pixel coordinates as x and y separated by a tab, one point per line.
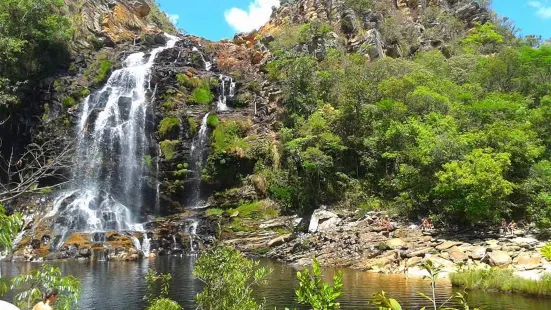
457	255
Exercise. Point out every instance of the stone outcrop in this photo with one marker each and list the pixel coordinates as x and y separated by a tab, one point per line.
362	242
110	22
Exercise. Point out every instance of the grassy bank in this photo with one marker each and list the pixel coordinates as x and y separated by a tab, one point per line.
501	280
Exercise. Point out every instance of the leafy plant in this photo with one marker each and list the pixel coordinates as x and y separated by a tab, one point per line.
314	292
546	251
228	278
32	285
158	286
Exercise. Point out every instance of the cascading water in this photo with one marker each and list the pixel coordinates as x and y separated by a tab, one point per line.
109	173
208	65
197	155
222	99
192	232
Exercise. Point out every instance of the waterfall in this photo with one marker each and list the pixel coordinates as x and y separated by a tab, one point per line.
136	242
232	88
158	185
146	246
192	233
109	174
208	65
197	155
221	106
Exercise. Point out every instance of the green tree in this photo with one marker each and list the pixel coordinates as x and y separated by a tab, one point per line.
475	188
228	278
31	286
158	286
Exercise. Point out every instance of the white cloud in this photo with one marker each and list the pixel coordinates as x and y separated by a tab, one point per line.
173	18
246	21
543	10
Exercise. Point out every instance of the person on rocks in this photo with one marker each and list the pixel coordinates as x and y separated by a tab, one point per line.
48	299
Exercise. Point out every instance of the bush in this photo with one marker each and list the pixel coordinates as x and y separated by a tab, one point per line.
168	148
314	292
68	102
213	121
228	278
230	136
201	95
169	127
103	72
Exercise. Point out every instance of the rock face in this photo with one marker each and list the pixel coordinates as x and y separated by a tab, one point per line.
113	21
362	27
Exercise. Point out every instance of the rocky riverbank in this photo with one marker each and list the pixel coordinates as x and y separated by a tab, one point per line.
348	240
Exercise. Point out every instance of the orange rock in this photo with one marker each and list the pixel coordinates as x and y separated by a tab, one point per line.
256	57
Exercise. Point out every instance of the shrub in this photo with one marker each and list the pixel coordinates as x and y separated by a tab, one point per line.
230	136
213	121
68	102
169	126
546	251
228	278
103	72
201	95
215	212
314	292
168	148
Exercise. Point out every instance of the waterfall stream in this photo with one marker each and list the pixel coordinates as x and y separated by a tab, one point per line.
109	172
197	155
208	64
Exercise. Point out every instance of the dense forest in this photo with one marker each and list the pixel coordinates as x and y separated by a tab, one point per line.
460	133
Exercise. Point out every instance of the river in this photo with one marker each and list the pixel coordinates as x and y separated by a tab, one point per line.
121	285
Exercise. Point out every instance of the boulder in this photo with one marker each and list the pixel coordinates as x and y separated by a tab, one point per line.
477	252
279	240
499	259
323	220
448	244
395	243
419	253
457	255
140	7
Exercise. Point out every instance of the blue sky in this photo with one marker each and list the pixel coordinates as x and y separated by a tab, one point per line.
217	19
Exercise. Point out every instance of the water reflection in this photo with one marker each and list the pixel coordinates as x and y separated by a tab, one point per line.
121	285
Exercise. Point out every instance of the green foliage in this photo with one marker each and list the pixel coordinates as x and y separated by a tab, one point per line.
148	161
201	95
314	292
255	210
228	278
11	225
229	136
31	286
33	43
103	72
169	127
483	38
158	286
213	121
475	187
68	102
193	125
546	251
168	148
214	212
501	280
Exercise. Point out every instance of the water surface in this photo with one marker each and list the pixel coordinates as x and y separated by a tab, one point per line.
121	285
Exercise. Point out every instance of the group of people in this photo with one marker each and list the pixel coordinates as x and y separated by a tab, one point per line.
508	228
426	224
48	299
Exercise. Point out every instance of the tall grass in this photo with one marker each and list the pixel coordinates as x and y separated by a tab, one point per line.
501	280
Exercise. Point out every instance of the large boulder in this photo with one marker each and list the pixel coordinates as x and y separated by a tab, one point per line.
396	243
323	220
499	259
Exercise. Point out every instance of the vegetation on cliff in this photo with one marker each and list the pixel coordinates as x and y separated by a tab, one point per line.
457	133
33	42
